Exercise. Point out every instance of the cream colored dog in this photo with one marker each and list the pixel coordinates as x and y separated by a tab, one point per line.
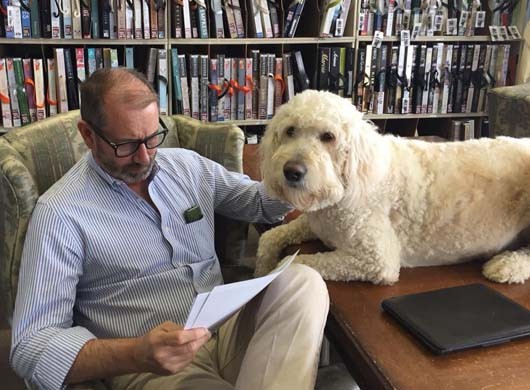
384	202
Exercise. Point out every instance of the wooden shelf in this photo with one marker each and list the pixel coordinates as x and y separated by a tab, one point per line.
261	41
445	38
84	42
249	122
417	116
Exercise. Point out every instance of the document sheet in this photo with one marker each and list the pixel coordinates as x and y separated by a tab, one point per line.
211	309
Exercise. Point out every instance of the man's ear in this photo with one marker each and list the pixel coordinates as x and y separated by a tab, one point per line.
86	133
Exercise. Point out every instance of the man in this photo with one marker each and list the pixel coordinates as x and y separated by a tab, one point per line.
110	266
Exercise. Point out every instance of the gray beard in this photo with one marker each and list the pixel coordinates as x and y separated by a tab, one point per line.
126	174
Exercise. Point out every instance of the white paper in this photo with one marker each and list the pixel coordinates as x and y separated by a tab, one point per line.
210	309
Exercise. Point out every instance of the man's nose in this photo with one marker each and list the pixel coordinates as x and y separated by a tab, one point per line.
142	155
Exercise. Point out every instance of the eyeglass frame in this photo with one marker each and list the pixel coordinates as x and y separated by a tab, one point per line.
139	142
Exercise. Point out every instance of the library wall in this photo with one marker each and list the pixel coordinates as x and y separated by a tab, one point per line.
401	63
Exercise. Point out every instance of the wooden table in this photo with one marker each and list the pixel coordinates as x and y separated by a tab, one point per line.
382	355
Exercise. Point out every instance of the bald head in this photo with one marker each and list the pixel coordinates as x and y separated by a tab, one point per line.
108	86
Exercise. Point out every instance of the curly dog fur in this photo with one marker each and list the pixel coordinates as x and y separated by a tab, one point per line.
384	202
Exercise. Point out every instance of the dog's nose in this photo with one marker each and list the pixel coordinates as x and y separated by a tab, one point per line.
294	171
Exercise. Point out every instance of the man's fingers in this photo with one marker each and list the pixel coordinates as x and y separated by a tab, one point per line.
181	337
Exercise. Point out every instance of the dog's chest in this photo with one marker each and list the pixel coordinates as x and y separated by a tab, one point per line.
334	226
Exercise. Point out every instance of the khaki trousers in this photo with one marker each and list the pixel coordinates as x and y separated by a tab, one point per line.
272	343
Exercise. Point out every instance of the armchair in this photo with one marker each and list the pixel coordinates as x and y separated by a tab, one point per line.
32	158
509	111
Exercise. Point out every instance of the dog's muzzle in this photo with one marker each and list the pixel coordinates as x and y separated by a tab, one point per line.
294	172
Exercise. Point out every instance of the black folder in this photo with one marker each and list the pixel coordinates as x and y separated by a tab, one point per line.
458	318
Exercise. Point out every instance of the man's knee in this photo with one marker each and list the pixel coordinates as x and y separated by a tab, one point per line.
305	283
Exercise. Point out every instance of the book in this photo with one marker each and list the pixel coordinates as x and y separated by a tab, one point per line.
5	99
163	81
21	92
51	95
72	93
40	100
29	84
177	89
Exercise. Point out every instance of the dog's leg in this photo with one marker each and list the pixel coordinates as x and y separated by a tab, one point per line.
272	242
373	255
509	266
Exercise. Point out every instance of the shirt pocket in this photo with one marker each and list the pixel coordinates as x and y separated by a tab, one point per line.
195	241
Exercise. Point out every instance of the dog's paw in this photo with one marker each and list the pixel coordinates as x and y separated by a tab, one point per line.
263	266
507	267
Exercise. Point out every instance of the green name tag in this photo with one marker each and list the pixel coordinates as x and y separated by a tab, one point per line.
193	214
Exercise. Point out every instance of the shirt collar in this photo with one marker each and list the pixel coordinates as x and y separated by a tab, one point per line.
111	180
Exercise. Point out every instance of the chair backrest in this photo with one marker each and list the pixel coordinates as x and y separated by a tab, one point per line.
509	111
34	157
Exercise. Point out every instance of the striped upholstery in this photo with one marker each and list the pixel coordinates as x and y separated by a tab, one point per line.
34	157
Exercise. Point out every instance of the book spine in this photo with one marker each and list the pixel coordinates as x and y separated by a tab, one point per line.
186	108
12	85
213	91
153	18
217	11
29	83
204	65
146	19
230	18
35	18
46	18
178	21
187	19
85	19
262	108
5	100
77	31
255	83
195	93
249	88
270	85
228	96
161	18
151	65
40	99
66	11
138	31
163	81
51	96
279	84
21	92
61	80
203	22
94	18
71	83
177	89
233	80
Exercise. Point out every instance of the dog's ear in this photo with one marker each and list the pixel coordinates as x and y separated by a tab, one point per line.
360	163
269	142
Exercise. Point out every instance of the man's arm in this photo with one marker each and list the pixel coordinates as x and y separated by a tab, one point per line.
239	197
166	349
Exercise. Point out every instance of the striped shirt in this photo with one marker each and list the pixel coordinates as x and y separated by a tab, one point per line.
100	262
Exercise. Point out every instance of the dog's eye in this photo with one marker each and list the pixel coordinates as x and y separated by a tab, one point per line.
290	132
327	137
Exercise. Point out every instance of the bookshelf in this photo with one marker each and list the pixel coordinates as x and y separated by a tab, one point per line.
306	40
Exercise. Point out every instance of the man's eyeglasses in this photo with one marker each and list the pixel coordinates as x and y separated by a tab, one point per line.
128	148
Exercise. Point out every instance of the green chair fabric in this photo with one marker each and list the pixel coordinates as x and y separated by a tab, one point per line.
34	157
509	111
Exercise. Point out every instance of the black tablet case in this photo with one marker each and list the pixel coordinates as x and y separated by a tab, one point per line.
457	318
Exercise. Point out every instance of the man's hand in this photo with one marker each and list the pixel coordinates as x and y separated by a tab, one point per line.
169	348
